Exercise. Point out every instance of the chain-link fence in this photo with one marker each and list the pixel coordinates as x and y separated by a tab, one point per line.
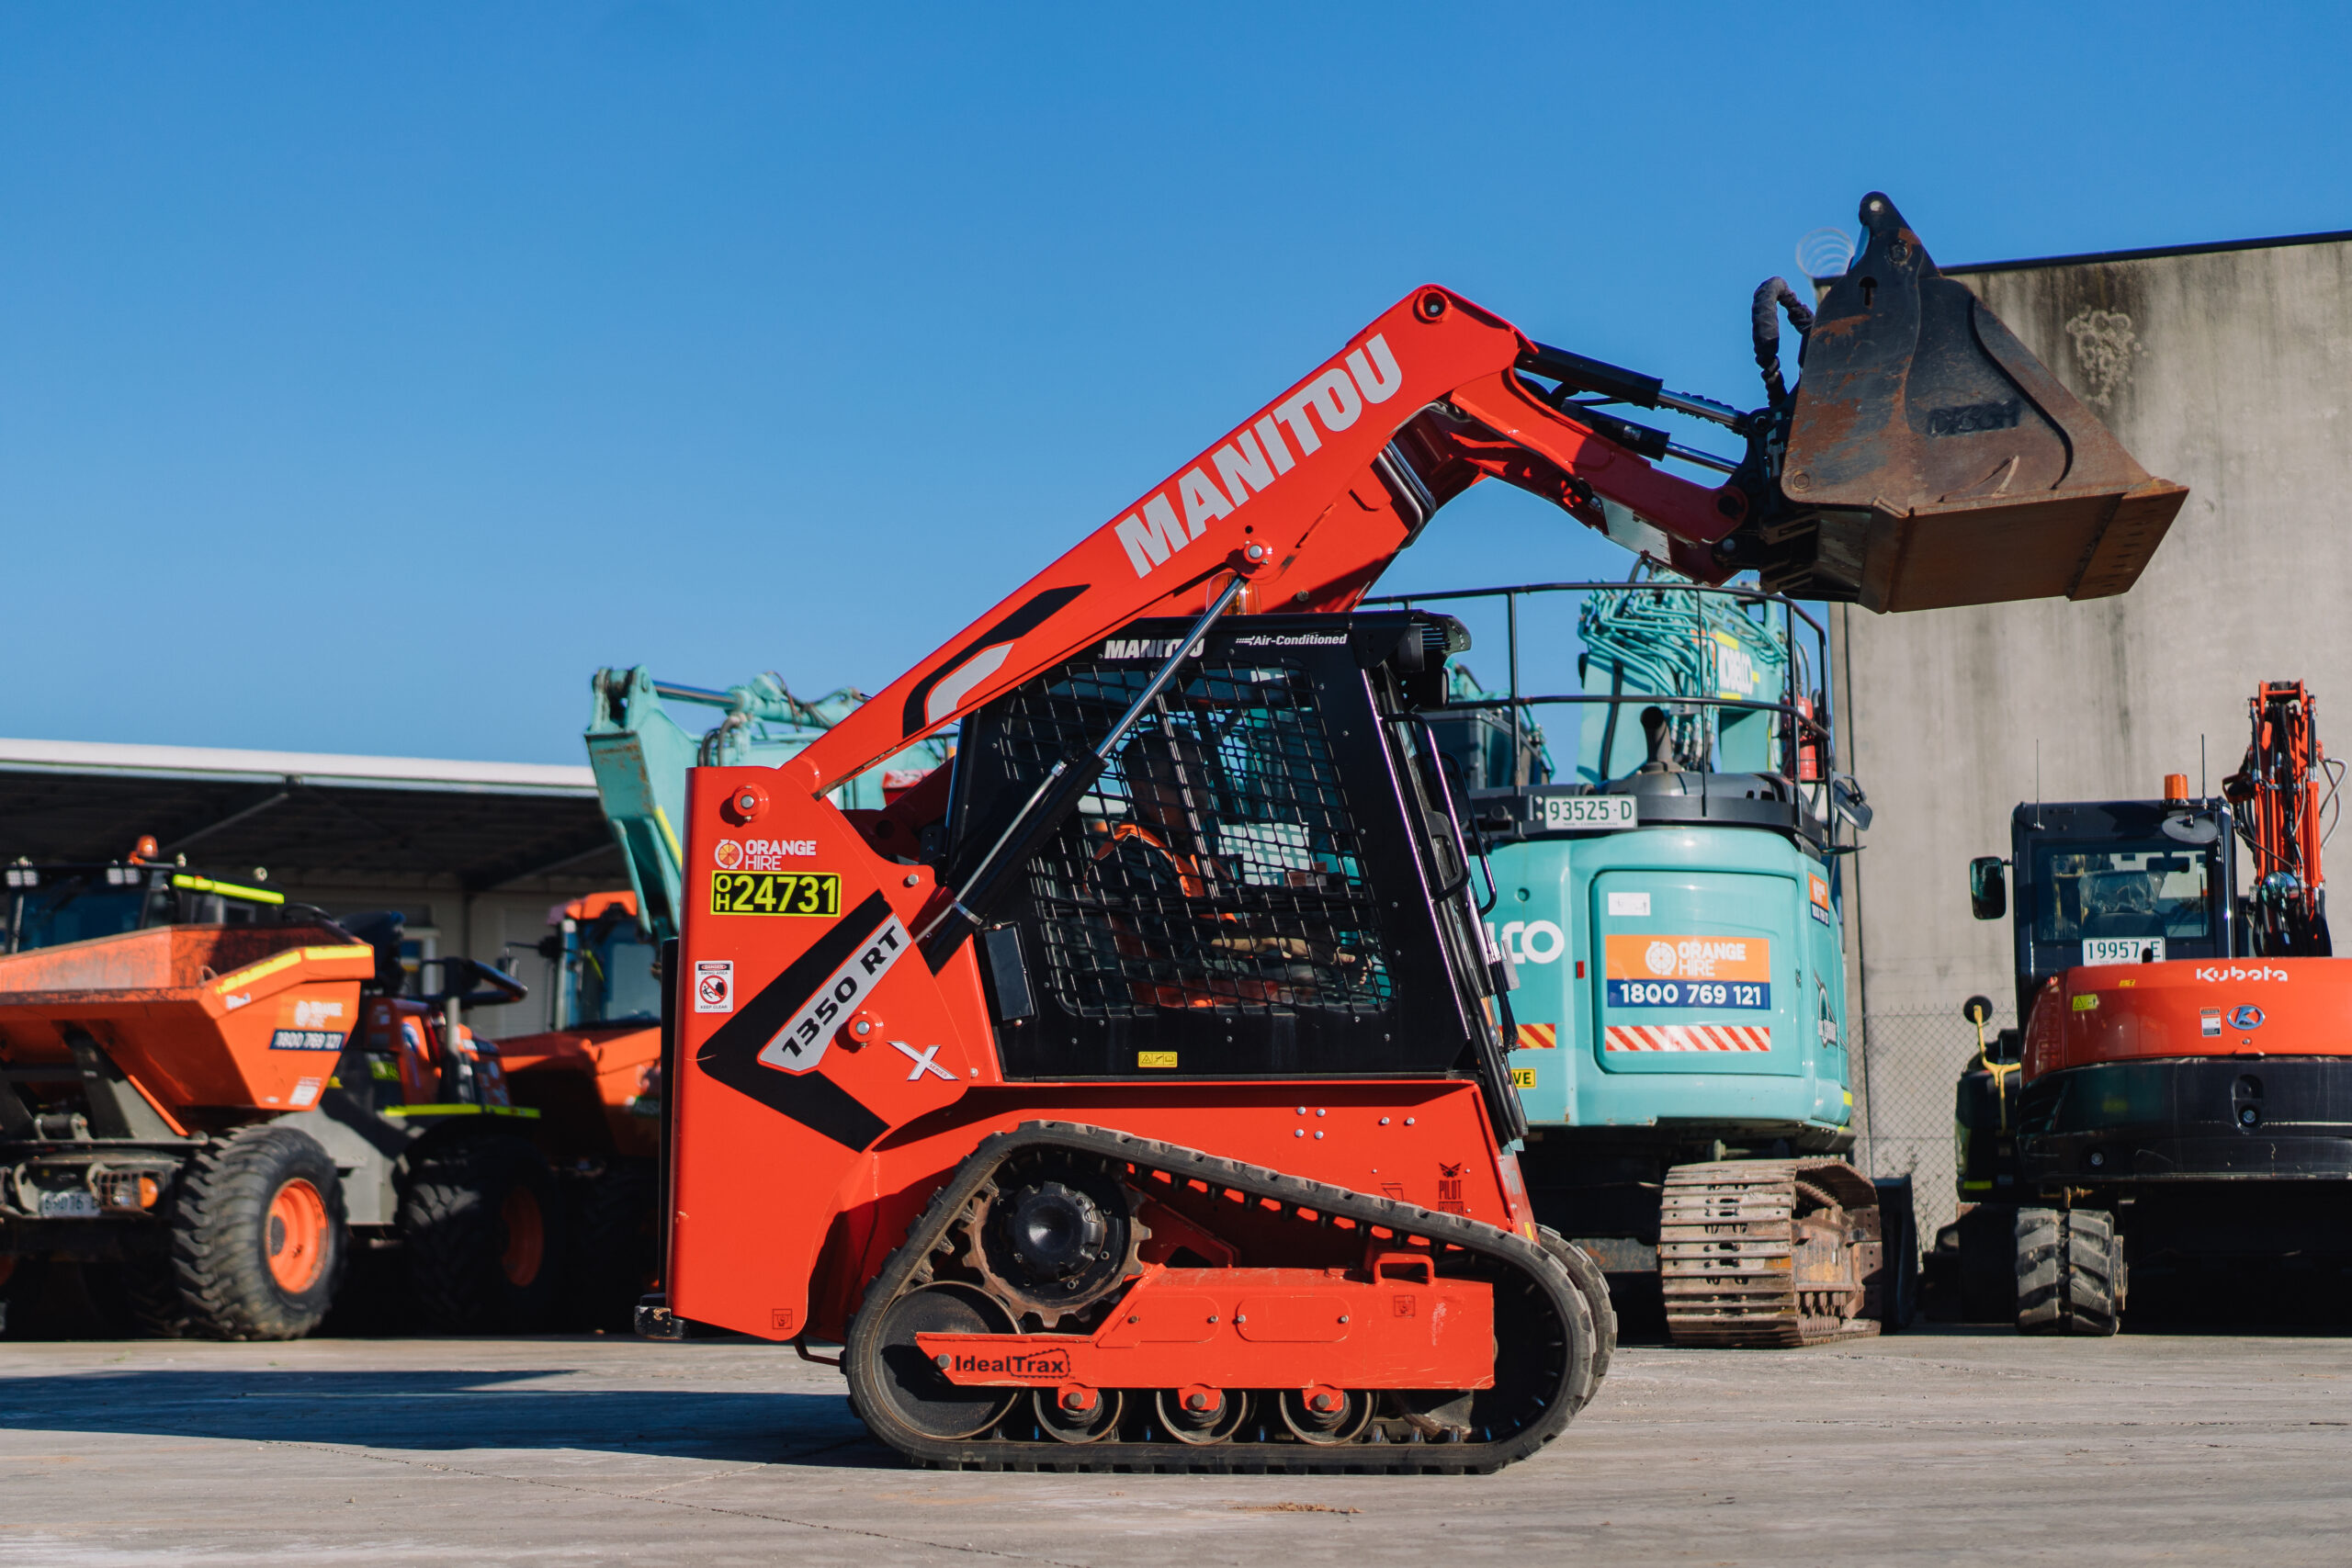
1910	1063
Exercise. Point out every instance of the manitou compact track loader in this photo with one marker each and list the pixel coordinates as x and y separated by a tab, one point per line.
1132	1094
1670	901
2182	1099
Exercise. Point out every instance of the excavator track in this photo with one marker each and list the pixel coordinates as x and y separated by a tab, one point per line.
1545	1336
1769	1252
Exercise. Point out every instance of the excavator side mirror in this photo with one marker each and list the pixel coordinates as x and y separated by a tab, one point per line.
1989	891
1852	805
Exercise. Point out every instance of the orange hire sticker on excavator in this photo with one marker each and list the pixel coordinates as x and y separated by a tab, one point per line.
1658	971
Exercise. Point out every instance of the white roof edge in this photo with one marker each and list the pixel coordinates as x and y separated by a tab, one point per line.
317	767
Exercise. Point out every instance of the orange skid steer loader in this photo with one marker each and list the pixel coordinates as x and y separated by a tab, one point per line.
1157	1114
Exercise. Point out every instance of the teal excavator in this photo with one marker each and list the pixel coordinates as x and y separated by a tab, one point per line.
1668	900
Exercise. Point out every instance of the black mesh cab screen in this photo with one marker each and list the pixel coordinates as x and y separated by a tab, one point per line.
1241	893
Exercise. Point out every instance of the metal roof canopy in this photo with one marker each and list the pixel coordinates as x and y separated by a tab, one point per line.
311	818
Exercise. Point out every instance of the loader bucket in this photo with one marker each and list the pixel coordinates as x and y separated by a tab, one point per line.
1947	464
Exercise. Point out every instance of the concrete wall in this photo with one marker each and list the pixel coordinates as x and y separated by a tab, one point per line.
2227	370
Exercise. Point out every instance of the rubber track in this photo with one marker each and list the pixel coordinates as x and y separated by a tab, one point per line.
1258	1459
1726	1256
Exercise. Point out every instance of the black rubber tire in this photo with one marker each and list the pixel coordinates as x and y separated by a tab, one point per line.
616	1251
2070	1272
1899	1254
1592	1284
454	1230
23	1283
151	1298
1987	1241
223	1235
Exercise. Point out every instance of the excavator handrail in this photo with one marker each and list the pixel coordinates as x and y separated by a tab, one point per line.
1727	590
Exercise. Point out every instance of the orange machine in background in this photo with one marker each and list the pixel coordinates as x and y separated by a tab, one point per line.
595	1083
204	1120
2180	1105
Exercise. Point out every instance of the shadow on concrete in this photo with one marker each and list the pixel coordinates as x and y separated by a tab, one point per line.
443	1410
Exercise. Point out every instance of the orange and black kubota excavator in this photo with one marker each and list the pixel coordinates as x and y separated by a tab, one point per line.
1133	1095
2182	1098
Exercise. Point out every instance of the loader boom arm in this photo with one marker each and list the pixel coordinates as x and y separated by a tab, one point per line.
1307	501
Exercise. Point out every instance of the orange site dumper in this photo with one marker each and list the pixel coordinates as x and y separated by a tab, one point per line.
210	1124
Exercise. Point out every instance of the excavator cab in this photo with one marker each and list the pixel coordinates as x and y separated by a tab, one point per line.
1930	460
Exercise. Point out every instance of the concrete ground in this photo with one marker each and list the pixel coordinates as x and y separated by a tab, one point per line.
1947	1445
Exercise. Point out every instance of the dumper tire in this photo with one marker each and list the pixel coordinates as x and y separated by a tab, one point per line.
616	1243
150	1295
258	1240
1592	1284
482	1225
2070	1272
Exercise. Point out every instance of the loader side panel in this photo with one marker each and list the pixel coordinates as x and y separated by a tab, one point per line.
794	928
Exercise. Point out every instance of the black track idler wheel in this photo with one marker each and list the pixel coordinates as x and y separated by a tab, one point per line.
912	1388
1325	1417
947	1276
1082	1417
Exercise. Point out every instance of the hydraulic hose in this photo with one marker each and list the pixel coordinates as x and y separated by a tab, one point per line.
1771	292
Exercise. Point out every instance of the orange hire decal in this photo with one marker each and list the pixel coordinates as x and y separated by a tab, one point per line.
1648	970
1657	971
310	1023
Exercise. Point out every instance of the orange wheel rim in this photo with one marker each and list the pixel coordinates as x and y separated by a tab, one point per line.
526	1237
297	1236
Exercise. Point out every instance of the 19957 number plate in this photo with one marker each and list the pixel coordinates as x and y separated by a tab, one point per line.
776	893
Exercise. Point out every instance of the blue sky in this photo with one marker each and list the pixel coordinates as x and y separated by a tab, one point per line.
370	375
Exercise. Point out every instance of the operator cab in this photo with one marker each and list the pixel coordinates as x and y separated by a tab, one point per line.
606	968
2112	881
49	904
1268	879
